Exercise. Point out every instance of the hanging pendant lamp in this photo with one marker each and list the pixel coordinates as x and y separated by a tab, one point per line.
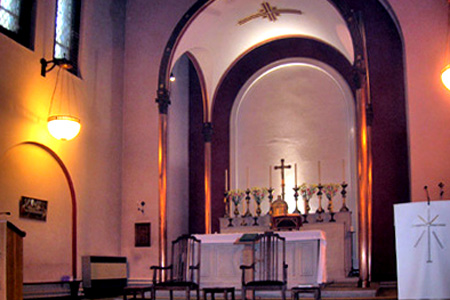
61	124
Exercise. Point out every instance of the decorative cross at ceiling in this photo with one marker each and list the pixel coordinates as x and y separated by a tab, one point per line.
269	12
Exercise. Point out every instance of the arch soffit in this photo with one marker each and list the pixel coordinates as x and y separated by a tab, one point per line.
191	34
257	60
202	81
173	48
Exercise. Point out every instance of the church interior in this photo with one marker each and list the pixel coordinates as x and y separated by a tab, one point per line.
218	119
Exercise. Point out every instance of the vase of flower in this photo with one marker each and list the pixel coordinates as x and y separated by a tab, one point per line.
258	194
330	191
236	197
307	191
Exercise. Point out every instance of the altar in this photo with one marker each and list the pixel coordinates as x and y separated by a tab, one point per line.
338	235
222	256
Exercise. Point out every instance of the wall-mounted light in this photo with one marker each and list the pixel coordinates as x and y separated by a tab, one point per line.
172	77
445	75
61	123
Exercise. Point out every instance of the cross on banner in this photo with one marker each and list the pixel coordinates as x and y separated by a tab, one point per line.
282	167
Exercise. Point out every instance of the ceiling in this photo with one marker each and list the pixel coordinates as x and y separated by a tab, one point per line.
215	40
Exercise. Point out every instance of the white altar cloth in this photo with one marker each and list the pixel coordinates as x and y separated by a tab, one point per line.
221	258
422	234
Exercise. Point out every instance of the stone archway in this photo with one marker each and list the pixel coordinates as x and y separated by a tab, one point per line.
383	113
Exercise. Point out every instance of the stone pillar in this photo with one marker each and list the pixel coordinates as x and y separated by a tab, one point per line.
163	101
207	134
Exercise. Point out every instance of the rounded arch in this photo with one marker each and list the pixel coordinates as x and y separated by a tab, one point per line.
238	75
202	84
73	198
377	40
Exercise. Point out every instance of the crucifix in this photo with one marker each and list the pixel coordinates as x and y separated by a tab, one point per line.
282	167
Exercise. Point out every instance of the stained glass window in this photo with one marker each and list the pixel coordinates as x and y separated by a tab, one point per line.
9	14
67	24
17	20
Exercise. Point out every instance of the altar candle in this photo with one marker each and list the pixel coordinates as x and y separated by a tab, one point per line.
246	176
270	176
295	175
318	165
226	179
343	170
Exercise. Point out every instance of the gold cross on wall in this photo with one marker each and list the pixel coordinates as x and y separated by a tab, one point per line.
269	12
282	167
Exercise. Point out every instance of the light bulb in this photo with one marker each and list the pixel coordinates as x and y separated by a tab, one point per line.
445	77
63	127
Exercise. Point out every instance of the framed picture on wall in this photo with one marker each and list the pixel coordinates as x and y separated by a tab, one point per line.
142	234
32	208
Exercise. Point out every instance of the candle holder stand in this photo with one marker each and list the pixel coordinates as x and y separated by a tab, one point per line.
270	190
344	207
296	210
247	213
320	209
330	209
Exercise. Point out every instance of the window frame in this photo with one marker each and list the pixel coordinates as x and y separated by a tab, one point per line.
27	19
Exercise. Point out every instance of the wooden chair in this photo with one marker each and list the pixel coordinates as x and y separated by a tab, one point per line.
183	273
268	270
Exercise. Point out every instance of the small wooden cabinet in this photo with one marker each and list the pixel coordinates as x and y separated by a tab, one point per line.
11	261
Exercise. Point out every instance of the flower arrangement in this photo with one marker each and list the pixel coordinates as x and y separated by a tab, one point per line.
236	196
259	193
330	190
307	191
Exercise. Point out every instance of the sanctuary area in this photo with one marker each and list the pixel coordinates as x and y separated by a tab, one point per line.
233	147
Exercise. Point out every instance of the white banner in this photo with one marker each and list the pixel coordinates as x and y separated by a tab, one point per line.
422	234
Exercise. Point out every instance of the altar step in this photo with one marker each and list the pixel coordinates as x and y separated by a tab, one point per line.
346	290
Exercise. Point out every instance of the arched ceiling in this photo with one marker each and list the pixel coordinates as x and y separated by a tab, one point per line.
215	39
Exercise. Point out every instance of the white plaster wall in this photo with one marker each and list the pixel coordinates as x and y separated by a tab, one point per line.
424	26
178	150
148	27
93	158
301	111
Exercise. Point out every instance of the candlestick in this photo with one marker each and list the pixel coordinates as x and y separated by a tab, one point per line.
295	166
270	176
318	166
270	190
319	210
247	213
344	193
296	210
246	177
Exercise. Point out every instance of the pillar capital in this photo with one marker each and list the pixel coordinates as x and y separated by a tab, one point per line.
163	100
359	72
207	132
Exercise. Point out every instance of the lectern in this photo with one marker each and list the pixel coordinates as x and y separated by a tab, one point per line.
11	261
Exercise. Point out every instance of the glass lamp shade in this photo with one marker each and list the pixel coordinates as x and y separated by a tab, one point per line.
63	127
445	76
